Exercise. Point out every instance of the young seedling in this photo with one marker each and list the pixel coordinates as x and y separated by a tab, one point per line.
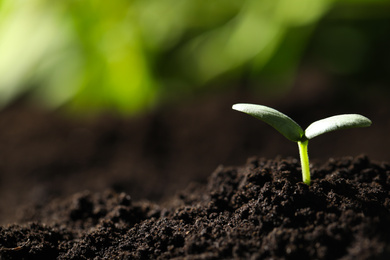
292	131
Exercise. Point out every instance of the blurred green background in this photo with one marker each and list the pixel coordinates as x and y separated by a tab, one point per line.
130	56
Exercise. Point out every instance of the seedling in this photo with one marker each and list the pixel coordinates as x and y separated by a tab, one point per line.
292	131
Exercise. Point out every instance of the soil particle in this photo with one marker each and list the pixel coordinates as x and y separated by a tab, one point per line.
260	210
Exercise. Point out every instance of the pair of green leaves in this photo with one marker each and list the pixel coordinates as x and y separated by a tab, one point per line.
292	131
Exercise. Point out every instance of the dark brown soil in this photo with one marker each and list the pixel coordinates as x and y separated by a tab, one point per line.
261	210
141	188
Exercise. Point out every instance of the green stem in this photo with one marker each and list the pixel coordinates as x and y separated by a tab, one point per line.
304	161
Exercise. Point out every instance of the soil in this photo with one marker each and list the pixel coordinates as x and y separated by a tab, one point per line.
151	188
261	210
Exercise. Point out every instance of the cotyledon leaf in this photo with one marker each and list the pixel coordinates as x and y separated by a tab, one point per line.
281	122
334	123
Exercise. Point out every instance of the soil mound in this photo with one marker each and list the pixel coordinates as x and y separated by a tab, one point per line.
260	210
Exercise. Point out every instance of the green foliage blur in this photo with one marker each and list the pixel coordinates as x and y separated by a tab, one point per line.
129	55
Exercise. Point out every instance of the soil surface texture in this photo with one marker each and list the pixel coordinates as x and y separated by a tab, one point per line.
260	210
